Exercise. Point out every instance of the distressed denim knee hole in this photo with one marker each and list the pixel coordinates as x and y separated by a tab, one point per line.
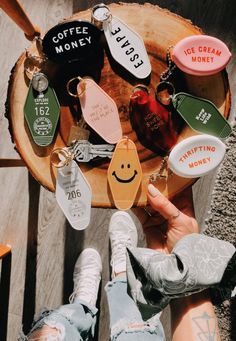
47	335
122	326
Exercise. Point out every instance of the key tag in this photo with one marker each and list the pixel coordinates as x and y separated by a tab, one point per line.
73	192
152	121
126	45
124	174
200	114
200	55
41	108
196	156
99	110
70	41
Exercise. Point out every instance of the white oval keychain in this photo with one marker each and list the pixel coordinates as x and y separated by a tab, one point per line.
196	156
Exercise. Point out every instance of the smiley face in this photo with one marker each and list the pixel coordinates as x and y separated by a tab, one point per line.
124	174
126	180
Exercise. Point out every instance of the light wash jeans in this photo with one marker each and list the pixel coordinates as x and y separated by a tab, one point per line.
76	321
126	322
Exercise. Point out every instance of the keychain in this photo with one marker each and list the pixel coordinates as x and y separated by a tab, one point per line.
196	156
200	114
124	174
199	55
41	108
99	110
152	121
81	151
71	41
126	45
73	193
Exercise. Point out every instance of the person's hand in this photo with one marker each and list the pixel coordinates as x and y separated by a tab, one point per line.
168	222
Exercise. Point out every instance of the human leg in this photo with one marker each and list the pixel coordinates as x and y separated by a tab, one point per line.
126	321
74	321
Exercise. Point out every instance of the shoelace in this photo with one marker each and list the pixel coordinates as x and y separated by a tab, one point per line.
119	246
87	283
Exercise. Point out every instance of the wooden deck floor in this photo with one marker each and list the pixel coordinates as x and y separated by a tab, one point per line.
44	246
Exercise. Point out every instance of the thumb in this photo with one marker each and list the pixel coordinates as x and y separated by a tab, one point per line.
161	204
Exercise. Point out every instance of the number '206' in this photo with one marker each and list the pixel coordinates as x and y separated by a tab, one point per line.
74	194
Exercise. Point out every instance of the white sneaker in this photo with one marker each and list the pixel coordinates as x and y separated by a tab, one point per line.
123	233
87	276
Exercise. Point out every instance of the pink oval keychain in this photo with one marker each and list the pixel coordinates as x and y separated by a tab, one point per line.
200	55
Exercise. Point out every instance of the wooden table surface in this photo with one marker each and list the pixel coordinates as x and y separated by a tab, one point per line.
44	246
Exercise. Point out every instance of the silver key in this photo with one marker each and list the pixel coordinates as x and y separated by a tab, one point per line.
85	151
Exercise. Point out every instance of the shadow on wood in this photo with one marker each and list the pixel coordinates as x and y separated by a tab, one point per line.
4	295
31	257
74	241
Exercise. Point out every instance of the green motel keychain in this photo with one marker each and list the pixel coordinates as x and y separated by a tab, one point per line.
41	108
200	114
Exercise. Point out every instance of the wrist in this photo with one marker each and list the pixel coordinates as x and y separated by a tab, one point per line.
193	316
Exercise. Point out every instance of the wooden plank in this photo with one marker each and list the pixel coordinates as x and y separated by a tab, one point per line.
12	163
18	210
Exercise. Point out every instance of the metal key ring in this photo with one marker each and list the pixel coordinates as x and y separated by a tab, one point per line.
100	21
61	157
139	87
77	95
165	86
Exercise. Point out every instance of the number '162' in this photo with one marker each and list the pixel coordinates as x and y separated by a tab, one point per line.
42	111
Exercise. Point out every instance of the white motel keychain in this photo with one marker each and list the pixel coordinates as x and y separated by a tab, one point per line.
196	156
73	193
126	45
99	110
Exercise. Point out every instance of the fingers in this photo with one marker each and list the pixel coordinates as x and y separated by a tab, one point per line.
161	204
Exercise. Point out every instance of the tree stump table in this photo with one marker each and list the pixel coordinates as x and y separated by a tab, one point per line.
159	29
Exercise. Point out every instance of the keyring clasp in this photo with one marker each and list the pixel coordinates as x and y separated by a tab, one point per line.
165	87
61	157
82	86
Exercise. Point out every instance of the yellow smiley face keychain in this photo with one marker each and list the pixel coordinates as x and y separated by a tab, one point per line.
124	174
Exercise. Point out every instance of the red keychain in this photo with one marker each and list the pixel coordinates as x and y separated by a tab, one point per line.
152	122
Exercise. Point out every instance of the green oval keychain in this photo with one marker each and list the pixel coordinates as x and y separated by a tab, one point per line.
200	114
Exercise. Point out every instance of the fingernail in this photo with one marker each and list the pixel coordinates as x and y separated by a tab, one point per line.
153	191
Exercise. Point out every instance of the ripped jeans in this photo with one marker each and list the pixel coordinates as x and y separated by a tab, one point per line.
126	322
76	321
